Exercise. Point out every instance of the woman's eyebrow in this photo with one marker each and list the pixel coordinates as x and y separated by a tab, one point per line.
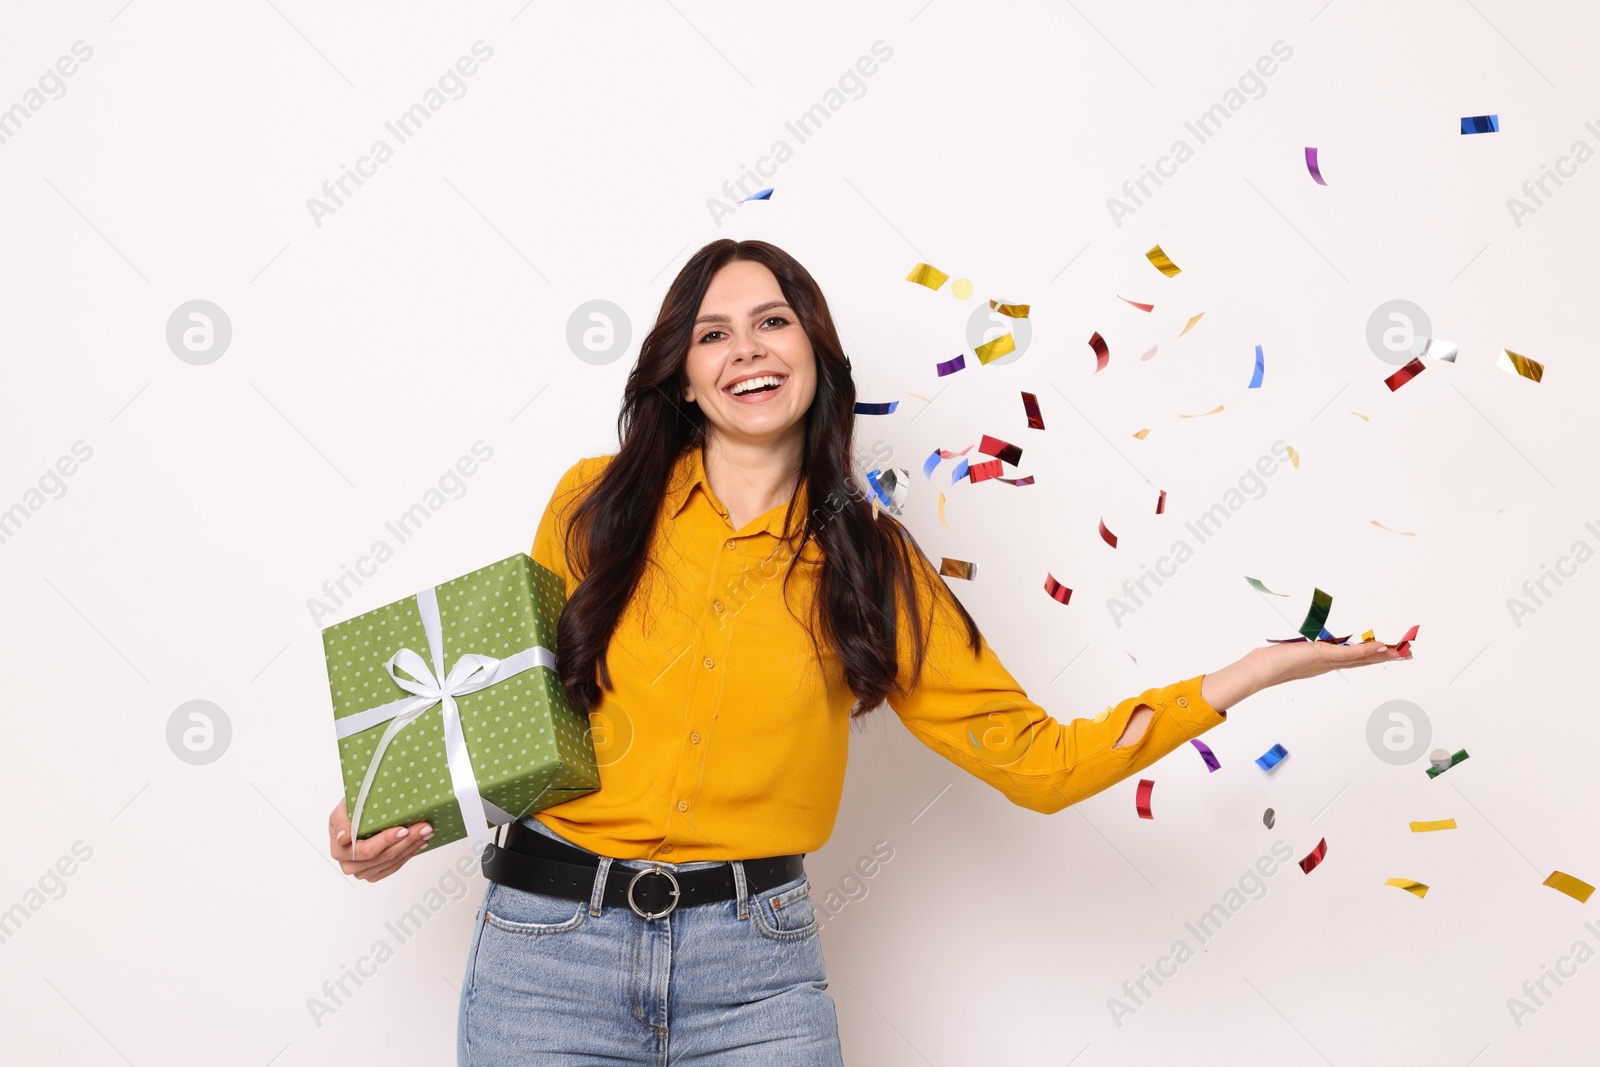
758	309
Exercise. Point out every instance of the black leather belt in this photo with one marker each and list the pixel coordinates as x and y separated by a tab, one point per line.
533	862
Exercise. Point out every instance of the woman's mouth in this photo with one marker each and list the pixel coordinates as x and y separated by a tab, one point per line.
757	390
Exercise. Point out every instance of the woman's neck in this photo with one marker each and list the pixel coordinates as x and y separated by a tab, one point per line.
751	479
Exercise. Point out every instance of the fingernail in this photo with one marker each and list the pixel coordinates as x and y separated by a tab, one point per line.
426	832
402	832
343	834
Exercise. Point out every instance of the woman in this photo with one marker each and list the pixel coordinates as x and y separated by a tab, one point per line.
734	603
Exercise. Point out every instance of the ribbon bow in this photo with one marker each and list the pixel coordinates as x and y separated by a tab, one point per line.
469	674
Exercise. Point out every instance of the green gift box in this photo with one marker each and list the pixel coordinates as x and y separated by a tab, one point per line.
448	709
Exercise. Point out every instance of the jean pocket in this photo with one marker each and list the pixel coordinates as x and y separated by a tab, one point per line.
517	911
784	913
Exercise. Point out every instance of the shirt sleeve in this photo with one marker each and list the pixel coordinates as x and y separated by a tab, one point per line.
549	542
972	711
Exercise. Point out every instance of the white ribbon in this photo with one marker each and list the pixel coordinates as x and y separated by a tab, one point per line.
469	674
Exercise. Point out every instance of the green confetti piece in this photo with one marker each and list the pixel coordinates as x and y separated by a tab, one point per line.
1256	583
1434	772
1321	604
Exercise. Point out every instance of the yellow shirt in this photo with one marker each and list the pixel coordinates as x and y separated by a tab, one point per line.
723	738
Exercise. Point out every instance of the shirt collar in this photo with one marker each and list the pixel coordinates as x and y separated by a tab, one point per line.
689	473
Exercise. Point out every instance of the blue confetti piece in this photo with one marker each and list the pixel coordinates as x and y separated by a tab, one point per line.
1255	379
1481	124
1272	757
877	409
931	462
883	497
959	473
766	194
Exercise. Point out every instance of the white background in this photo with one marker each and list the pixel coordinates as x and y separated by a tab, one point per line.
371	351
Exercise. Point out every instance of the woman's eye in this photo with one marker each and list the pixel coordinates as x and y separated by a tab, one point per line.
780	318
707	335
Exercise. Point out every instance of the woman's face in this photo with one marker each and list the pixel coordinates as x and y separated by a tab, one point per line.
746	330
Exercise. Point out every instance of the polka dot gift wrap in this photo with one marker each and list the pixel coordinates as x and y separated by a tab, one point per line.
529	748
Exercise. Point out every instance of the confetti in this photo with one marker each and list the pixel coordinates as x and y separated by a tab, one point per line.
959	473
1512	363
1405	642
1142	798
1480	124
1206	754
1368	637
1106	535
942	521
1360	416
1409	886
1255	584
1030	406
1311	165
950	366
1314	858
1102	354
1576	888
993	350
1192	321
1130	655
1269	817
979	472
1004	450
1439	757
1060	593
1402	533
918	396
1015	311
1405	374
1271	757
1434	348
957	568
1255	379
1135	303
1321	604
1017	481
1436	824
1150	353
931	462
1294	457
1142	434
1161	503
1203	414
889	488
877	409
961	288
1159	260
1434	772
927	274
765	194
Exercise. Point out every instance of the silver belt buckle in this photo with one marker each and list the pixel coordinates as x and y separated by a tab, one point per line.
665	874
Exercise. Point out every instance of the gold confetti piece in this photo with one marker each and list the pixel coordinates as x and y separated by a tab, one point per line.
1360	416
1142	434
961	288
919	396
957	568
927	274
1437	824
1402	533
993	350
1192	321
1213	411
941	511
1015	311
1576	888
1409	886
1159	260
1367	637
1294	457
1512	363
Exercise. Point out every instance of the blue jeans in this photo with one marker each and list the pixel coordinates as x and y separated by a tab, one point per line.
737	983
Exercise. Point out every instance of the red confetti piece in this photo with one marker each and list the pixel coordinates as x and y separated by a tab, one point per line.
1030	405
1161	503
1150	353
1017	481
1404	646
979	472
1314	857
1405	374
1135	303
1006	451
1142	801
1102	353
1106	535
1060	593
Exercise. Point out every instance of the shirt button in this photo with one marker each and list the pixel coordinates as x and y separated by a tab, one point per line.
694	738
683	805
666	848
717	604
707	662
1183	702
730	542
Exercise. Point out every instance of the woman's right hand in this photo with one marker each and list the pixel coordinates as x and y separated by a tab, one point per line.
377	856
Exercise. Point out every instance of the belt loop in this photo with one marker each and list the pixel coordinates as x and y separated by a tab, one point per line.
598	896
740	889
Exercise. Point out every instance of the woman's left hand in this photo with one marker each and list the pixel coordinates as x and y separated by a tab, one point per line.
1294	660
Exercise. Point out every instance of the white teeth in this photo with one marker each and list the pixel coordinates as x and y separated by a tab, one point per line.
755	383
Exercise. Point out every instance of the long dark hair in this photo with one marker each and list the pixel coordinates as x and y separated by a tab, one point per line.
867	564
